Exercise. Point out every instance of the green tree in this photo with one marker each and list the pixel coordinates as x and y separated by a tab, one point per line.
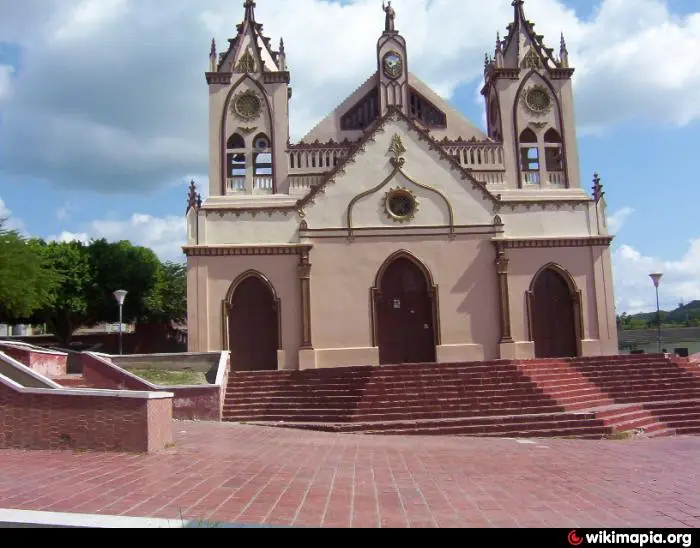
116	266
69	309
27	283
167	302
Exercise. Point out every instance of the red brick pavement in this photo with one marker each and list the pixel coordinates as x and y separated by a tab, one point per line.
245	474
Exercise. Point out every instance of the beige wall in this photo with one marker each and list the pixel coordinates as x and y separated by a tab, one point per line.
463	270
591	274
210	278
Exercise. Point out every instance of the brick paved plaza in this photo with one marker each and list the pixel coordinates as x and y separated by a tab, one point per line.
244	474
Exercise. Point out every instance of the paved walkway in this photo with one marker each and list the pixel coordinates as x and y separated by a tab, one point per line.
242	474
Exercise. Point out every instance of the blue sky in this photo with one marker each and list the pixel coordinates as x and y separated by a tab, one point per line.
119	87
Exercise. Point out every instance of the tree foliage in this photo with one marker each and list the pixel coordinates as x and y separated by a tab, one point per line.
167	302
27	283
69	285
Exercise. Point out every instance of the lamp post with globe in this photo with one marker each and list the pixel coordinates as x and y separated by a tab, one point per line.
120	295
656	278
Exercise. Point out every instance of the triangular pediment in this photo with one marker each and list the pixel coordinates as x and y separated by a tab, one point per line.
398	158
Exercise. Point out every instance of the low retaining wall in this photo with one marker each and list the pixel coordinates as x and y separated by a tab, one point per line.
102	420
199	402
45	362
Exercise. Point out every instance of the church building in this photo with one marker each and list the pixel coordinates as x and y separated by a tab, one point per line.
396	231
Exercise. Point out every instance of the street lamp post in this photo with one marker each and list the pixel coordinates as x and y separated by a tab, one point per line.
120	295
656	278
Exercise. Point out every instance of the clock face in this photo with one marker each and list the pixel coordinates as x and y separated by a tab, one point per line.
393	65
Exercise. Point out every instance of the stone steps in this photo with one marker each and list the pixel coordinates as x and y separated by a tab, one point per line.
583	397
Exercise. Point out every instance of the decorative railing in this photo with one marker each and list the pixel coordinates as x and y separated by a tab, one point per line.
316	160
490	177
262	184
556	178
301	184
531	178
477	156
234	185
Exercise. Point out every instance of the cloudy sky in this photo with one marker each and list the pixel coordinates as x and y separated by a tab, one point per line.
103	107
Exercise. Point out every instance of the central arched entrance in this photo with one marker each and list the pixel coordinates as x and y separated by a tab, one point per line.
554	314
253	325
405	312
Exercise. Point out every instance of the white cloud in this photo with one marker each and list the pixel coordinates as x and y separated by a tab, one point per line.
126	107
617	220
634	289
66	237
164	235
11	222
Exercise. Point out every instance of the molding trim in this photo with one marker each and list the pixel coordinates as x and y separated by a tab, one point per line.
228	251
581	241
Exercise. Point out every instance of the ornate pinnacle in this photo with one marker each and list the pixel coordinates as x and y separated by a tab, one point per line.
192	198
563	44
281	45
213	48
597	188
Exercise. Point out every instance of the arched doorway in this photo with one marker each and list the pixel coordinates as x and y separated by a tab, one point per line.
405	313
554	306
253	325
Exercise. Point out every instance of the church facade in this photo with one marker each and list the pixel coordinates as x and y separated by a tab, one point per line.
396	231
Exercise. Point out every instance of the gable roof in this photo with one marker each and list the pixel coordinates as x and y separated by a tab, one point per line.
395	113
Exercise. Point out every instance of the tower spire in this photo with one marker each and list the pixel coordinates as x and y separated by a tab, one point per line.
249	11
563	53
519	14
212	56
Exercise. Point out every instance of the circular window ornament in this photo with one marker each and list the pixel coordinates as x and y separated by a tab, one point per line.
538	100
393	65
247	105
400	204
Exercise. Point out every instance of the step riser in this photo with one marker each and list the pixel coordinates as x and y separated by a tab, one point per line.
485	399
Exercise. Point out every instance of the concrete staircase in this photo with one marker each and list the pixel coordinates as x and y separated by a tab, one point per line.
587	397
73	381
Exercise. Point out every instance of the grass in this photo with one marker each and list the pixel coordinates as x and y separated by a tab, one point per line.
170	378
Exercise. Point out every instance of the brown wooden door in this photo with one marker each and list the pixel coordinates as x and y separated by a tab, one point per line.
404	306
253	327
553	317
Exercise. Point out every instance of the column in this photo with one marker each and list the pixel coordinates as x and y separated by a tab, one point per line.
503	299
305	279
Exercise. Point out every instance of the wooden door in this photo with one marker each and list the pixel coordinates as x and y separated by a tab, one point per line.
253	327
404	306
553	317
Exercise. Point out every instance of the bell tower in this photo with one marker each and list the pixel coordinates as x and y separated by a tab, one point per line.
392	65
530	108
248	113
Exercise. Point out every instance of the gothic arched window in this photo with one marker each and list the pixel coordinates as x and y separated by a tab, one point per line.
236	162
553	153
529	157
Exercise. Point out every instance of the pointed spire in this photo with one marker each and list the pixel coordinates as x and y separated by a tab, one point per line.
563	53
597	188
282	57
519	15
249	11
212	56
499	59
192	197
